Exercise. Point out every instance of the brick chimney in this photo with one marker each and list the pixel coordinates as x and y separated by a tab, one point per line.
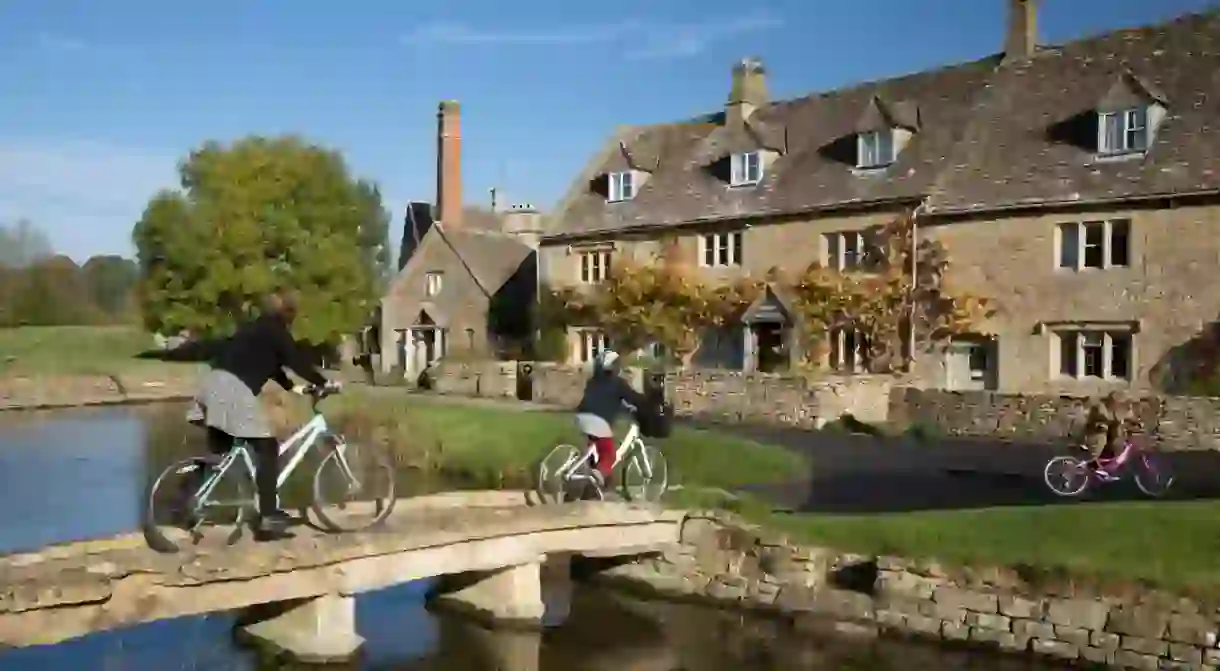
449	164
748	92
1021	34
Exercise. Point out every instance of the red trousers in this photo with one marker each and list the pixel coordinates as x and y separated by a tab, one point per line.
605	454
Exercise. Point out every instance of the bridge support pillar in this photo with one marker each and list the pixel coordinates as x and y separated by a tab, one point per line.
319	630
510	596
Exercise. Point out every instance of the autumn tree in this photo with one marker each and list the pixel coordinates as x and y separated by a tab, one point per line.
23	243
255	215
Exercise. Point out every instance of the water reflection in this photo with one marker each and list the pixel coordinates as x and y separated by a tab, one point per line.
75	474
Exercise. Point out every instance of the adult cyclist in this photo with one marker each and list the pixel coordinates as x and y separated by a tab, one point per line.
606	395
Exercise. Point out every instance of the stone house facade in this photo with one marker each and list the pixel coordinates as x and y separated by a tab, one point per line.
465	275
1074	184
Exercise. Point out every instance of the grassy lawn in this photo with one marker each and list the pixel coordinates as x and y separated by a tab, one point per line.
74	350
483	446
1170	544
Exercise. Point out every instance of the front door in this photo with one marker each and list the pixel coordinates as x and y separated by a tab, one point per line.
772	350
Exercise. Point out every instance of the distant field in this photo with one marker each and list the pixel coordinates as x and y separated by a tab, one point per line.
80	350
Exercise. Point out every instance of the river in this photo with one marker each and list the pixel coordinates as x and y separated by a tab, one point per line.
76	474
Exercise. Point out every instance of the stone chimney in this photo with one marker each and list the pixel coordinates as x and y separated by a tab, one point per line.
525	222
449	164
749	91
1021	34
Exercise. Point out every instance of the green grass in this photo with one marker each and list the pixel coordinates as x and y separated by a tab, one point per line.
74	350
489	446
1169	544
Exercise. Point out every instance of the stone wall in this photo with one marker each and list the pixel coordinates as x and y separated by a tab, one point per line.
486	379
710	395
724	561
1178	423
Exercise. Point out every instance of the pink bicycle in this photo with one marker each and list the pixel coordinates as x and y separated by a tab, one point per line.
1070	476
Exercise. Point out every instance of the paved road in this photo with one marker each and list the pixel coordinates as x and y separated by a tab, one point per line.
860	474
863	474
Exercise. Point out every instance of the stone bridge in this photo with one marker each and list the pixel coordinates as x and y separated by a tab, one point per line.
298	595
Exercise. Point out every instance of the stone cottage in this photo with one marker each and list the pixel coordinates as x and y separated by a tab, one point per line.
1076	184
466	276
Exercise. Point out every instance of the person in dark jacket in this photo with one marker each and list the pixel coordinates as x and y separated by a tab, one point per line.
606	392
227	402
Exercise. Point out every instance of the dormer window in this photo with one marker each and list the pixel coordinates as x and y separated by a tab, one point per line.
622	186
1123	132
875	149
746	169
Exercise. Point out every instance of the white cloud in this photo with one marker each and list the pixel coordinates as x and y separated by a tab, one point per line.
640	39
86	194
57	42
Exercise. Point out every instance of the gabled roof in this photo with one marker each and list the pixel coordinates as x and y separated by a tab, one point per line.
989	135
491	257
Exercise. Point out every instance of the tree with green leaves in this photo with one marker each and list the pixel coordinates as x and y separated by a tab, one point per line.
255	215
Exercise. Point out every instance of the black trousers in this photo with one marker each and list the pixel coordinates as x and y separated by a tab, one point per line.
266	464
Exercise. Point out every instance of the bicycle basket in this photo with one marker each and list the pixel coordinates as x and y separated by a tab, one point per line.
656	421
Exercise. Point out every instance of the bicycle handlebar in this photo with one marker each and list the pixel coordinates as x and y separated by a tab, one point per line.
318	392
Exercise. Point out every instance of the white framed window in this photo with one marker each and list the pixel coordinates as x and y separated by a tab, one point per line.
622	186
1095	354
848	351
592	343
717	250
1123	132
433	283
875	149
1094	244
594	266
845	250
746	168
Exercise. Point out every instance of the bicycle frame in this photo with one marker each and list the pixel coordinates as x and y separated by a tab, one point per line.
631	444
302	441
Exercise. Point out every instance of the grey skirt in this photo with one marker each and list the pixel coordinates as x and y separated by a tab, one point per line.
225	403
592	425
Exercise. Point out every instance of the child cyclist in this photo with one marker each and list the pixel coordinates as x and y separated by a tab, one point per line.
606	395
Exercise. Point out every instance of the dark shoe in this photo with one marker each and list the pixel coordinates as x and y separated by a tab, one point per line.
273	526
264	534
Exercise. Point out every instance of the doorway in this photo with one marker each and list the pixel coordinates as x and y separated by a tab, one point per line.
970	364
772	347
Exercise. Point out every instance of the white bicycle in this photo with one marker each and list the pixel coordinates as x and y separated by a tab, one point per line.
217	491
566	473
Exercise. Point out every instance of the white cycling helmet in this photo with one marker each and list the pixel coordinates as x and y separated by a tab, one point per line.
606	359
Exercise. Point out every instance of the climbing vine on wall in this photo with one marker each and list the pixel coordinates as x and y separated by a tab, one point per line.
668	302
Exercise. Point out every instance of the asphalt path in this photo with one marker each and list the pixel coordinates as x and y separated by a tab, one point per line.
870	474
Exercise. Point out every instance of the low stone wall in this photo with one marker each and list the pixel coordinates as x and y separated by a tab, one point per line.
732	564
711	395
485	379
30	392
1174	423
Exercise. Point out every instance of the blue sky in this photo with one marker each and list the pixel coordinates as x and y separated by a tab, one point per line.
101	99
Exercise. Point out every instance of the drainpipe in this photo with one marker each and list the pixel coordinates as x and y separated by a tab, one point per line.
914	278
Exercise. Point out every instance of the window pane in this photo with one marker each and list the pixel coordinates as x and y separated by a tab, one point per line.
851	249
709	250
1120	355
885	148
1069	245
832	251
1120	242
868	149
737	248
1091	345
1112	133
584	267
1094	241
1068	354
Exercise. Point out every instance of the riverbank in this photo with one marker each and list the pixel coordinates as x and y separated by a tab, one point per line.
69	366
727	561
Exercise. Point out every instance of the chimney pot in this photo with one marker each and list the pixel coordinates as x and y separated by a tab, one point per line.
449	163
1021	33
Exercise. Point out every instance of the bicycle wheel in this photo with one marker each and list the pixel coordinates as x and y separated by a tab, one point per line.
1067	476
1152	476
353	488
173	517
554	483
645	475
